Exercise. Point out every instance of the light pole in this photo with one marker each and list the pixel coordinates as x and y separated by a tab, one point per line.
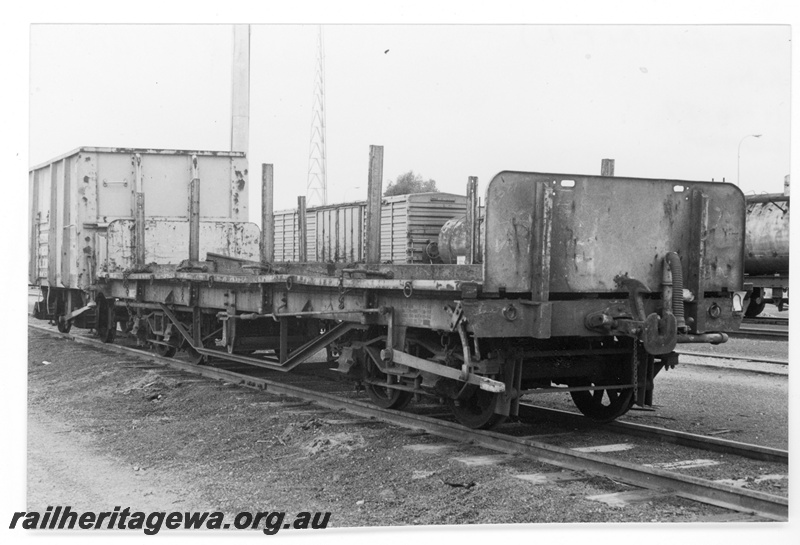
739	153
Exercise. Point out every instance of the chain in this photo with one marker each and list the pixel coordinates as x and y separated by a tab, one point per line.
636	368
131	318
125	274
444	340
342	292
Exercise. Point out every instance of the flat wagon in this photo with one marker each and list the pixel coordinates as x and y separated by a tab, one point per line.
574	283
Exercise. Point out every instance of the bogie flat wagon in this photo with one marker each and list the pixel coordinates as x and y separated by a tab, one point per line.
568	283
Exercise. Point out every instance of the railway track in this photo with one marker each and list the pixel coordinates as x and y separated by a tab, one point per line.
702	442
752	502
767	320
761	331
712	355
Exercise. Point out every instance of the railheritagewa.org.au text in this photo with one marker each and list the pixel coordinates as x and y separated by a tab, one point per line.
64	518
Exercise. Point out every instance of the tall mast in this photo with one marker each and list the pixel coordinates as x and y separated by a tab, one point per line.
317	184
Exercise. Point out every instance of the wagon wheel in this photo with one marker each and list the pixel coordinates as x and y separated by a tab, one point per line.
208	341
106	320
389	398
63	325
157	345
477	411
385	397
196	357
603	405
164	350
754	309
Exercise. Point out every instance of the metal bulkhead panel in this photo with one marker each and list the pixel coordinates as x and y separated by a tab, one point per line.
606	228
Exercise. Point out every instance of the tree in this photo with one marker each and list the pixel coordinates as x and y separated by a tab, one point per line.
410	183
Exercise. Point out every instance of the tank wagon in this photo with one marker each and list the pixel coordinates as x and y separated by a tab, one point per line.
580	284
766	261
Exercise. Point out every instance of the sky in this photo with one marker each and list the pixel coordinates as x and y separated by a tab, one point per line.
669	89
446	101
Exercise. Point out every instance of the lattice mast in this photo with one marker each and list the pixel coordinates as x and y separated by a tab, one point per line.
317	185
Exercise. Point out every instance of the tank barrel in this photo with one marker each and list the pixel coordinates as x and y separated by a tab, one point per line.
767	236
462	237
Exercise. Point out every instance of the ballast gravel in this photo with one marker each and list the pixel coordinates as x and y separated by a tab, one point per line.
234	449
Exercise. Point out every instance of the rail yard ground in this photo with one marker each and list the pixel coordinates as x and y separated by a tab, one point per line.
106	430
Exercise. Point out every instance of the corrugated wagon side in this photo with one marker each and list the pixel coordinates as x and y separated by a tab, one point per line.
336	233
410	225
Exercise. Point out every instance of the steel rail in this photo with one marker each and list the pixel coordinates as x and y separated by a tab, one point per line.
766	320
686	486
702	442
759	333
775	361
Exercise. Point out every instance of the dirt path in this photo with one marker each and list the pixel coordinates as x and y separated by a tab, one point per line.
64	468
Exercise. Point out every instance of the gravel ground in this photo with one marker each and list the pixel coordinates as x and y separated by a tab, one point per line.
104	431
206	444
753	348
752	407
